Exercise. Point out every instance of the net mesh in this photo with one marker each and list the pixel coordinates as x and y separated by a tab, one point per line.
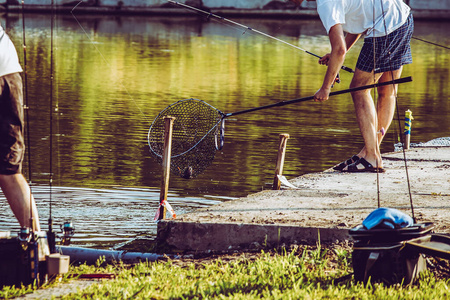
193	136
438	142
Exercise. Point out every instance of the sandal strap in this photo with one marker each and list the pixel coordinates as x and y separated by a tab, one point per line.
362	161
354	159
349	161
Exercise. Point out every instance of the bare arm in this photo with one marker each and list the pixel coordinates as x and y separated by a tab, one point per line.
334	62
351	39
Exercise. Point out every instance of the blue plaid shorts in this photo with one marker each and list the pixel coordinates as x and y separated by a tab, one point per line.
391	51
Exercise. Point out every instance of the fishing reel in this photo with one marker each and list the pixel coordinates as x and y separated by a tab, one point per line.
24	237
336	80
68	232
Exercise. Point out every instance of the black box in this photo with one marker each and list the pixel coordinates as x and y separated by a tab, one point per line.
15	267
389	264
385	255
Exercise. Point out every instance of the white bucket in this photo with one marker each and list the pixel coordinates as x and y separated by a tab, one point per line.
57	264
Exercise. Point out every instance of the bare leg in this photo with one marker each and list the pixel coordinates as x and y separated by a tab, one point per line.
18	194
386	101
385	105
366	116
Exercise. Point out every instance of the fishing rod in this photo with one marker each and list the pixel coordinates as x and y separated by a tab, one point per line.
208	15
26	107
431	43
286	102
27	236
199	130
51	236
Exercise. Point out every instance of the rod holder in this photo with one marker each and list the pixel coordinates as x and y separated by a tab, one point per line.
408	123
280	160
168	129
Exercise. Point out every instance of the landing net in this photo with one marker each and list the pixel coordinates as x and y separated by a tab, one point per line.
193	137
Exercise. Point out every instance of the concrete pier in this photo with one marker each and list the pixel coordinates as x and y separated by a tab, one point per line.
324	206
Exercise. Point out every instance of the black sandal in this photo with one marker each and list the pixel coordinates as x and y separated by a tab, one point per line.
343	164
367	167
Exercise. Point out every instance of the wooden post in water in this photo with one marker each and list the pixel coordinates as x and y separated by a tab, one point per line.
168	128
280	160
408	123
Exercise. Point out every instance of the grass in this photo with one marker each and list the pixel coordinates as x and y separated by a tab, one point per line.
300	273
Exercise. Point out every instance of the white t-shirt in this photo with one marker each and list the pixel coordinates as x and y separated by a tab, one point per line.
359	16
9	61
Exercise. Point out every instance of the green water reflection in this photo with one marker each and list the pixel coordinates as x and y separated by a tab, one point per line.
112	75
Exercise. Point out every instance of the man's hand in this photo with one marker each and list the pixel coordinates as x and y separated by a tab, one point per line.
322	94
325	59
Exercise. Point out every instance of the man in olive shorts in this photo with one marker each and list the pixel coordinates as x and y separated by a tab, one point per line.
12	147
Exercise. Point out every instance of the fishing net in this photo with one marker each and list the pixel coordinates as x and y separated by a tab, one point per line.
196	129
438	142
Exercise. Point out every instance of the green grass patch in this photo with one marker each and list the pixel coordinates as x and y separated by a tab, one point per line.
307	273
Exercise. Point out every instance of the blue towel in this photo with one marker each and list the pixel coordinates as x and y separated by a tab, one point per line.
389	218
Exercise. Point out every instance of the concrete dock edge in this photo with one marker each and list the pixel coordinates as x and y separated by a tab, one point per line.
323	207
229	236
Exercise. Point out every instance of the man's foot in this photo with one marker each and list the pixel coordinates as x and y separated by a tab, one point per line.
343	164
362	165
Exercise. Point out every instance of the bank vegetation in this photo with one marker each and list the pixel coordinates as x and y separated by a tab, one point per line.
301	272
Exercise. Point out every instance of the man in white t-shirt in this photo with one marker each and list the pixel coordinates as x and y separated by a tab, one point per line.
12	147
387	26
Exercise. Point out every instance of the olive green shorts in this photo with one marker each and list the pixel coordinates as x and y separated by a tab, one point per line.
12	146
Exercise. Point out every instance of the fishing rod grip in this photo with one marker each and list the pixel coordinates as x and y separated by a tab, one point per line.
343	67
347	69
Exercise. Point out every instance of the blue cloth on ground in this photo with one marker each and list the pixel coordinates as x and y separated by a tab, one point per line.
389	218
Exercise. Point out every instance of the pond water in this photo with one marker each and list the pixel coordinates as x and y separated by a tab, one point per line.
95	87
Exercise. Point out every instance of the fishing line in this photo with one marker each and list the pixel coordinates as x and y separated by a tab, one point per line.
51	113
285	21
375	97
30	236
106	61
398	117
210	15
26	109
428	42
